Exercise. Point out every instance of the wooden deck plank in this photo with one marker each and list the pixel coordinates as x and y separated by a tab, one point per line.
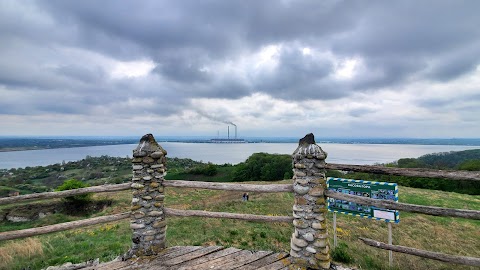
232	261
277	265
202	258
107	266
265	261
180	252
192	255
239	262
212	256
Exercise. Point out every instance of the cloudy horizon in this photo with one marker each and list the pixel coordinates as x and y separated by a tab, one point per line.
273	68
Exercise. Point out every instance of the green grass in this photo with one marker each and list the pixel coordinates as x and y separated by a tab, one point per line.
448	235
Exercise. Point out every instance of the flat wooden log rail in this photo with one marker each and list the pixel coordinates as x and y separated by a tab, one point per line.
412	172
429	210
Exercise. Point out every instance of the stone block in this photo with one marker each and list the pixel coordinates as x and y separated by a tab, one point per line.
320	243
311	250
139	153
137	167
292	246
324	250
300	224
148	160
137	160
136	226
322	257
300	173
320	200
318	225
137	186
149	238
159	224
155	213
299	242
147	178
154	184
157	154
316	191
300	190
300	200
135	207
300	166
308	236
138	214
302	182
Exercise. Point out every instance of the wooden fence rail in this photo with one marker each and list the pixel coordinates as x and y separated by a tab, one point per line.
424	254
248	217
429	210
167	183
62	226
230	186
414	172
66	193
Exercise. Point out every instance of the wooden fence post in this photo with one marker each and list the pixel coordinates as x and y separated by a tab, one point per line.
309	243
147	211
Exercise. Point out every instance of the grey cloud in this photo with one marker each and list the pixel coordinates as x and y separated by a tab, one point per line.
183	69
359	112
456	63
297	77
428	40
82	73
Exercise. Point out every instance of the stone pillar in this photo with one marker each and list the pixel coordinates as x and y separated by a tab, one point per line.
148	218
309	243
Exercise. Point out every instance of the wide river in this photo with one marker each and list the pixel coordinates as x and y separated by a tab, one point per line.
229	153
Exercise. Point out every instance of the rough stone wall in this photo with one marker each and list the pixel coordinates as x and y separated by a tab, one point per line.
147	217
309	243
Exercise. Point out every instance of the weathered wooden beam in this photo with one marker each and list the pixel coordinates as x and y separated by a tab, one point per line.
424	254
61	227
429	210
66	193
414	172
229	186
249	217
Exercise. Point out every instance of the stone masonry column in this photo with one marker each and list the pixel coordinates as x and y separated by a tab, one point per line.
147	217
309	243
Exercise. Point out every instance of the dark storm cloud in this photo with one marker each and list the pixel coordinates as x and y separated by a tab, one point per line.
190	41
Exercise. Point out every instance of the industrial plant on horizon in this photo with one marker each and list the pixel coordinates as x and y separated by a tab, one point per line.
228	140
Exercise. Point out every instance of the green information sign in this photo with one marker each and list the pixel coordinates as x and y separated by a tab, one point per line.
371	189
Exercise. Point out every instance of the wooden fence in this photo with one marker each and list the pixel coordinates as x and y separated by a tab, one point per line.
428	210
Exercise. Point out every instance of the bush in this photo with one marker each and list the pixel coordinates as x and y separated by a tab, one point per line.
340	254
207	170
470	165
74	184
264	167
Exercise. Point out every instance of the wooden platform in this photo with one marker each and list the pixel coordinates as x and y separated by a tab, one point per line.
198	258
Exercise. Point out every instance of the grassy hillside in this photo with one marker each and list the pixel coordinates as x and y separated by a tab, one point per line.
448	235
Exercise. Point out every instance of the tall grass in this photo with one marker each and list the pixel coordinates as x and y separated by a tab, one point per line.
26	249
441	234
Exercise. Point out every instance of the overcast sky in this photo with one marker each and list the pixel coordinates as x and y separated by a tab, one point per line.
273	68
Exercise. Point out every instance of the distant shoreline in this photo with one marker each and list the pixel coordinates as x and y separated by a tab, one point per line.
15	144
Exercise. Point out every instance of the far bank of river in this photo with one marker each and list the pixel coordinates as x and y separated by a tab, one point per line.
229	153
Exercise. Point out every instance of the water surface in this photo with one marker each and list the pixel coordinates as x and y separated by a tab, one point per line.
229	153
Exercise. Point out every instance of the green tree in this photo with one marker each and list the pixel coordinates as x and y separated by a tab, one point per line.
264	167
470	165
74	184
